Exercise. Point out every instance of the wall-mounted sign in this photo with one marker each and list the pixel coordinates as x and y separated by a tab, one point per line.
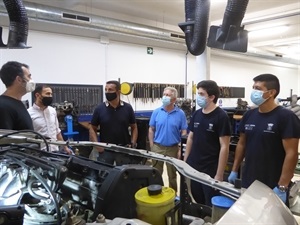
149	50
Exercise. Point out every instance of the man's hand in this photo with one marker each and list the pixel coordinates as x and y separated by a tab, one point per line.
179	152
218	178
280	194
99	149
232	177
68	150
133	145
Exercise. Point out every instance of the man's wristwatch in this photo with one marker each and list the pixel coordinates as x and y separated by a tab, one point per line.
282	188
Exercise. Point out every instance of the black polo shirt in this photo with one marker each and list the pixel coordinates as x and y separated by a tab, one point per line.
114	122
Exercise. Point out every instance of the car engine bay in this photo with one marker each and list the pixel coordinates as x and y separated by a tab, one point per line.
39	187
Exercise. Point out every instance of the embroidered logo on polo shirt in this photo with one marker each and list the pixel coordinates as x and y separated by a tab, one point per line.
210	127
269	128
249	126
196	124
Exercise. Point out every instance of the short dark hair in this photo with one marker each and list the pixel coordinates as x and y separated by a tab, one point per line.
10	71
39	88
270	80
116	83
25	65
210	87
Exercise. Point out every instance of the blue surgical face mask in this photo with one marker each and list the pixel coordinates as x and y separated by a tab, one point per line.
201	101
257	97
166	100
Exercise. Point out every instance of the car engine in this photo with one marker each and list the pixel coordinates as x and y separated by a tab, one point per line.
48	188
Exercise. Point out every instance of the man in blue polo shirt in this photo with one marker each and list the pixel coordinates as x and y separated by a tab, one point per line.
114	117
167	125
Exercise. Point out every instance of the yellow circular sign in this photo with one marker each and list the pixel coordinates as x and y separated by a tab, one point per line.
194	89
126	88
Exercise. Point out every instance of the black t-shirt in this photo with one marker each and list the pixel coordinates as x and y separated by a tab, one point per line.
14	115
207	129
264	151
114	123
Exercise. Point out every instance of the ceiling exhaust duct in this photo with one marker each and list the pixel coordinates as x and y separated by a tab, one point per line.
18	25
52	14
42	13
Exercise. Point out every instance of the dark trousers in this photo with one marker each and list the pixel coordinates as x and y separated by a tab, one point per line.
118	159
202	193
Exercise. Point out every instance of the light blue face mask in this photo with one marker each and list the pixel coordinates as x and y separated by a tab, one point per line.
257	97
166	100
201	101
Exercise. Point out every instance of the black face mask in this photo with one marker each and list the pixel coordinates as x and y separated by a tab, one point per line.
47	100
111	96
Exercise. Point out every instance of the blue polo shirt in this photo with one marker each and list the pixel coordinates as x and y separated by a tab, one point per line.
168	126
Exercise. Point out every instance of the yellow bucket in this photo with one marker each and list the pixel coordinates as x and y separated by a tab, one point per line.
153	202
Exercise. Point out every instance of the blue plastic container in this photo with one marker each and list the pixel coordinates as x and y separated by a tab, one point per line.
220	205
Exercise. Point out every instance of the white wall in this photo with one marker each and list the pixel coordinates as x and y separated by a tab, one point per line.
131	63
239	73
56	58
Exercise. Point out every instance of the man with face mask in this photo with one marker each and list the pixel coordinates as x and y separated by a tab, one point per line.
268	142
17	79
113	117
44	117
207	145
167	125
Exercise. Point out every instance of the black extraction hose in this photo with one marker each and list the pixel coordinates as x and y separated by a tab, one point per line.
196	25
18	27
233	16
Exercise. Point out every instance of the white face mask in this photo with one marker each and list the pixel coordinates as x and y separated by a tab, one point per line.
30	86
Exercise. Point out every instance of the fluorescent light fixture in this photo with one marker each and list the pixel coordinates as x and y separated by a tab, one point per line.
287	42
268	31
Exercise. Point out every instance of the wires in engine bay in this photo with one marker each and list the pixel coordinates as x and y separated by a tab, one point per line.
46	186
27	131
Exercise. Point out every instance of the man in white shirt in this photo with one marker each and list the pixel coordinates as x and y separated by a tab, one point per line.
44	117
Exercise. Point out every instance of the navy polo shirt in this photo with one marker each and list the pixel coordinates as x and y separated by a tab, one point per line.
114	122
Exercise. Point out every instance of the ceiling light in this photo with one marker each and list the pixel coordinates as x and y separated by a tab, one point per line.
287	42
268	31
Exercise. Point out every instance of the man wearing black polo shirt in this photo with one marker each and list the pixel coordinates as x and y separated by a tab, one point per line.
114	118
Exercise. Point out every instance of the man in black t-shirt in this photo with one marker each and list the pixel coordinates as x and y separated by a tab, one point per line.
17	79
114	118
207	145
269	136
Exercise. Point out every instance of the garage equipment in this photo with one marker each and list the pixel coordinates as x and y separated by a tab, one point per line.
153	202
70	133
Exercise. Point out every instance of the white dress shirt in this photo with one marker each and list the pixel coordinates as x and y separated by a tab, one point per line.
45	122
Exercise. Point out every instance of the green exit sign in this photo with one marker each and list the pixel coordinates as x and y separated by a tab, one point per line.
149	50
